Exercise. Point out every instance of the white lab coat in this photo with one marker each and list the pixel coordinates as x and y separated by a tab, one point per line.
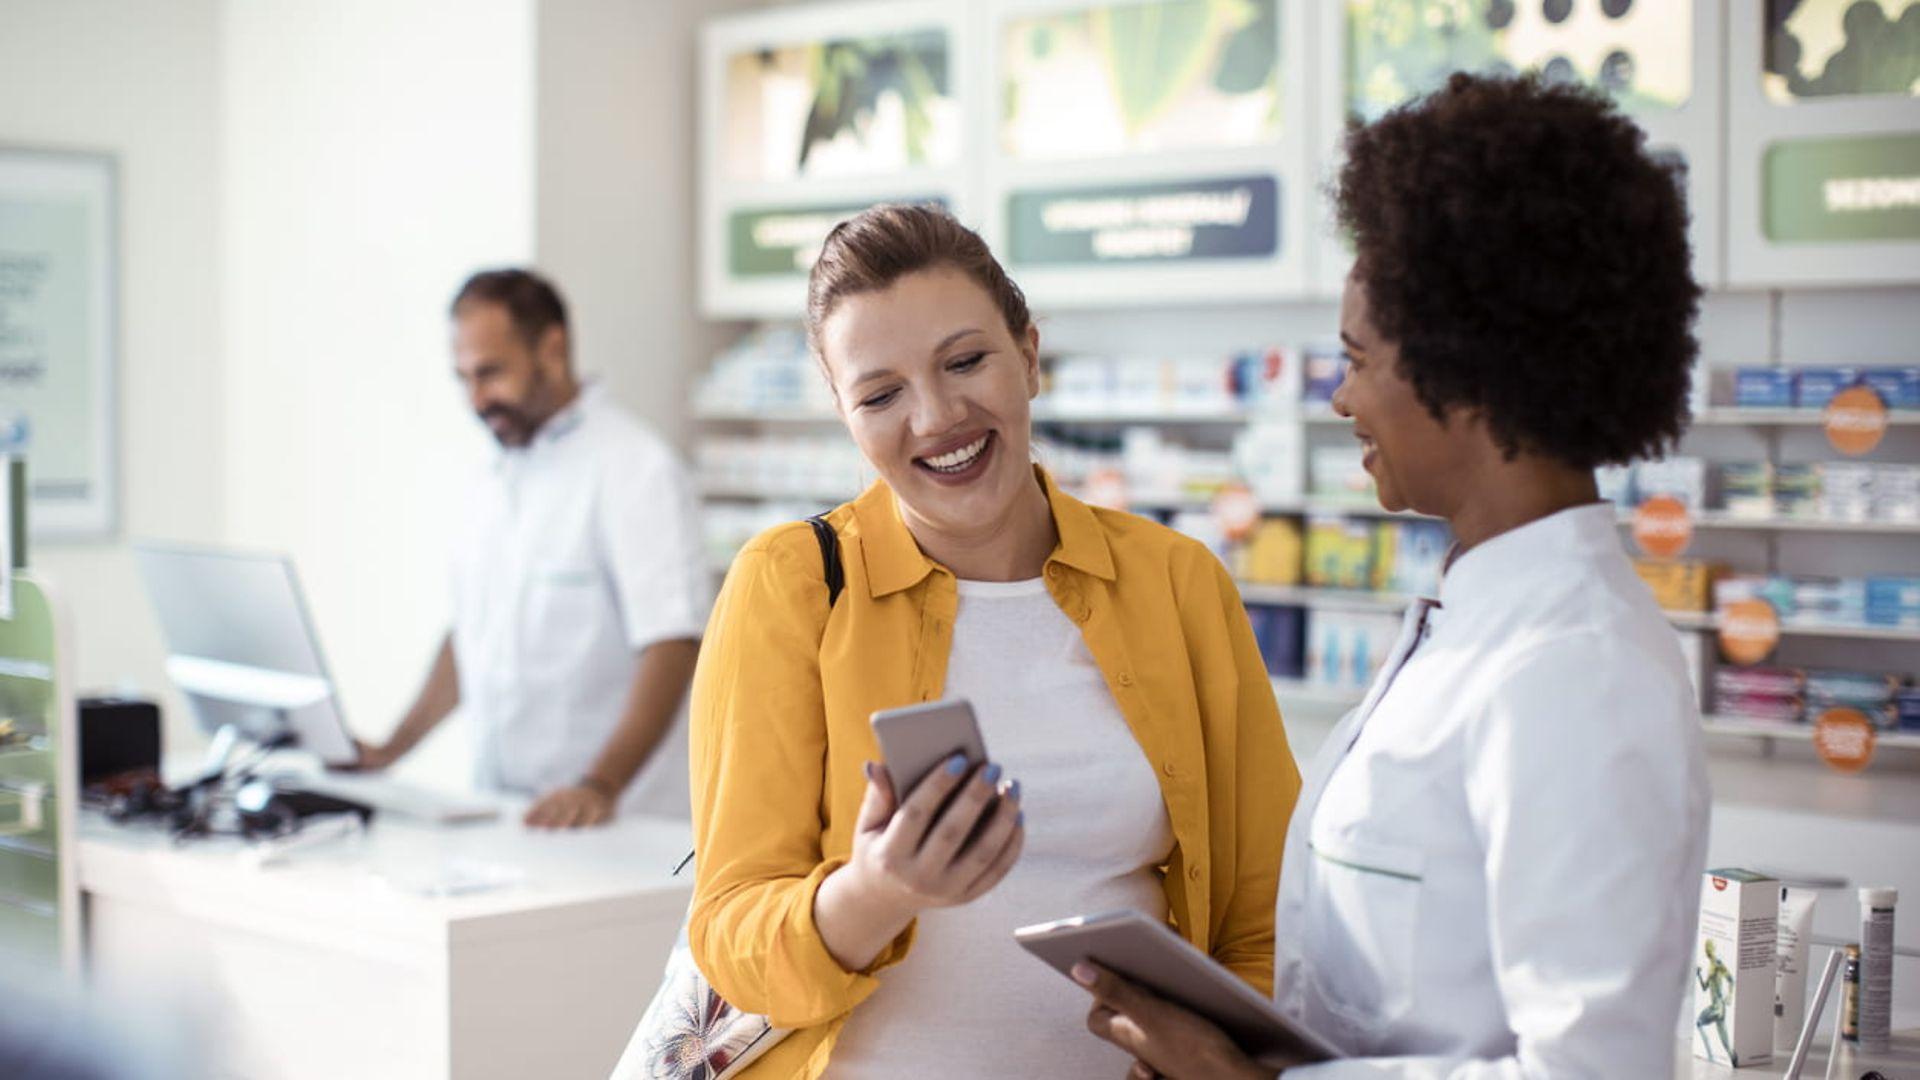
576	552
1494	865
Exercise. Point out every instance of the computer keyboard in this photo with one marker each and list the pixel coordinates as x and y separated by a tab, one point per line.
395	797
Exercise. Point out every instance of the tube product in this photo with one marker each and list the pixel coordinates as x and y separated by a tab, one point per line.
1850	997
1876	968
1790	973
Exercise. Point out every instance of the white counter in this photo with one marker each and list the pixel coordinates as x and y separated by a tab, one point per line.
334	964
1900	1062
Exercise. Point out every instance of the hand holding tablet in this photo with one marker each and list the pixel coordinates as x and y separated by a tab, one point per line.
1148	953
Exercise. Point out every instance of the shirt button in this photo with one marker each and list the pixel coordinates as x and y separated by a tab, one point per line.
1170	769
1126	678
1193	872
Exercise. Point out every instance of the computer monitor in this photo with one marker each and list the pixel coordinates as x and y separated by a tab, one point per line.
242	649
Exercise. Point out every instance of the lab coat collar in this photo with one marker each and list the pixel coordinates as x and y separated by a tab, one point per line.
1511	561
895	562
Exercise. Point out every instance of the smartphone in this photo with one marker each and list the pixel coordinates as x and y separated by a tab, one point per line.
916	739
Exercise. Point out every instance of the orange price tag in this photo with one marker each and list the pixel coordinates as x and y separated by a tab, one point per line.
1856	420
1236	510
1844	738
1663	526
1749	629
1108	488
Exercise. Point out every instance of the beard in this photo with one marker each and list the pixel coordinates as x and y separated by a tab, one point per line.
513	425
510	425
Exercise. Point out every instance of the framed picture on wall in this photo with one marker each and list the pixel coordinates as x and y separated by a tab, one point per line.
1658	59
1823	143
809	115
58	311
1146	151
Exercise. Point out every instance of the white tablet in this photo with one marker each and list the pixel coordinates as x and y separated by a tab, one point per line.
1148	952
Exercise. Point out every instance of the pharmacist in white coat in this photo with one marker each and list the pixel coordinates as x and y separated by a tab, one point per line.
578	588
1494	865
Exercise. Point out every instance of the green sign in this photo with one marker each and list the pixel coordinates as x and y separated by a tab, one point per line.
1865	188
784	241
1155	222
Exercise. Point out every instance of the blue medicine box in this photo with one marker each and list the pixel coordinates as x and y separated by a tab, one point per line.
1899	387
1814	387
1762	388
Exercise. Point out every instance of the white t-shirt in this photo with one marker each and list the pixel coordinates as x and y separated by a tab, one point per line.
577	551
967	1001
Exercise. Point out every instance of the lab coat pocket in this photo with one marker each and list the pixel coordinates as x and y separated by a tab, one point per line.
563	602
1362	928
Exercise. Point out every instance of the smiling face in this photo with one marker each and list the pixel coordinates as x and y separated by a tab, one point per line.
1418	463
935	390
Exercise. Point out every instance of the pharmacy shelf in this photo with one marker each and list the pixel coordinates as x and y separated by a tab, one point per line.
1169	502
749	493
1307	693
1720	519
1718	416
1364	600
1797	732
1729	416
778	414
1042	414
1705	620
1327	599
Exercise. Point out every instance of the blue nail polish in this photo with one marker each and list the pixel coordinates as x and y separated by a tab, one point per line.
1013	791
992	775
956	764
1020	819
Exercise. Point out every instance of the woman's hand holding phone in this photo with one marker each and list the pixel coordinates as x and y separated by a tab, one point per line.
952	839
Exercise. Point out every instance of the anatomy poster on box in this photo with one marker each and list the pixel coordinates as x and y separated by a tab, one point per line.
1638	51
1121	79
56	335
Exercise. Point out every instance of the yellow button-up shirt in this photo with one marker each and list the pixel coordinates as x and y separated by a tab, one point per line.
785	686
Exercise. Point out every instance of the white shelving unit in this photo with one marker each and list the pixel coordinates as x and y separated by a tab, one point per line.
1797	732
1306	695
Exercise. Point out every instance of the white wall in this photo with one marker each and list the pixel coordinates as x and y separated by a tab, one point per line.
141	82
617	170
375	155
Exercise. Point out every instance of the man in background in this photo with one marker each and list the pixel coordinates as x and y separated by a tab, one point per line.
579	591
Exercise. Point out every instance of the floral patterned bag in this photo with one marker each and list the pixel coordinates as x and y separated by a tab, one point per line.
690	1032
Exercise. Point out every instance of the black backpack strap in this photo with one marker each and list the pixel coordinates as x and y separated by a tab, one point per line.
829	556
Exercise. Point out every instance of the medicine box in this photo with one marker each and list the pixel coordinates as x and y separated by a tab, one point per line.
1899	387
1762	388
1814	387
1733	968
1680	584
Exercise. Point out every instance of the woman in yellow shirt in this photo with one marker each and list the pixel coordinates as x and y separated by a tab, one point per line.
1110	663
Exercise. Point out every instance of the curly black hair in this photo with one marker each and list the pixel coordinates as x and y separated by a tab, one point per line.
1530	258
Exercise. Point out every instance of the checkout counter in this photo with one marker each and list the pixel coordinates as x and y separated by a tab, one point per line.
479	950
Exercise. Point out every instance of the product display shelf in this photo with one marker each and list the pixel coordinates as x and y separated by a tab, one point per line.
1252	592
1042	414
1731	416
1718	724
1704	620
1365	600
1310	693
1720	519
750	493
777	414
